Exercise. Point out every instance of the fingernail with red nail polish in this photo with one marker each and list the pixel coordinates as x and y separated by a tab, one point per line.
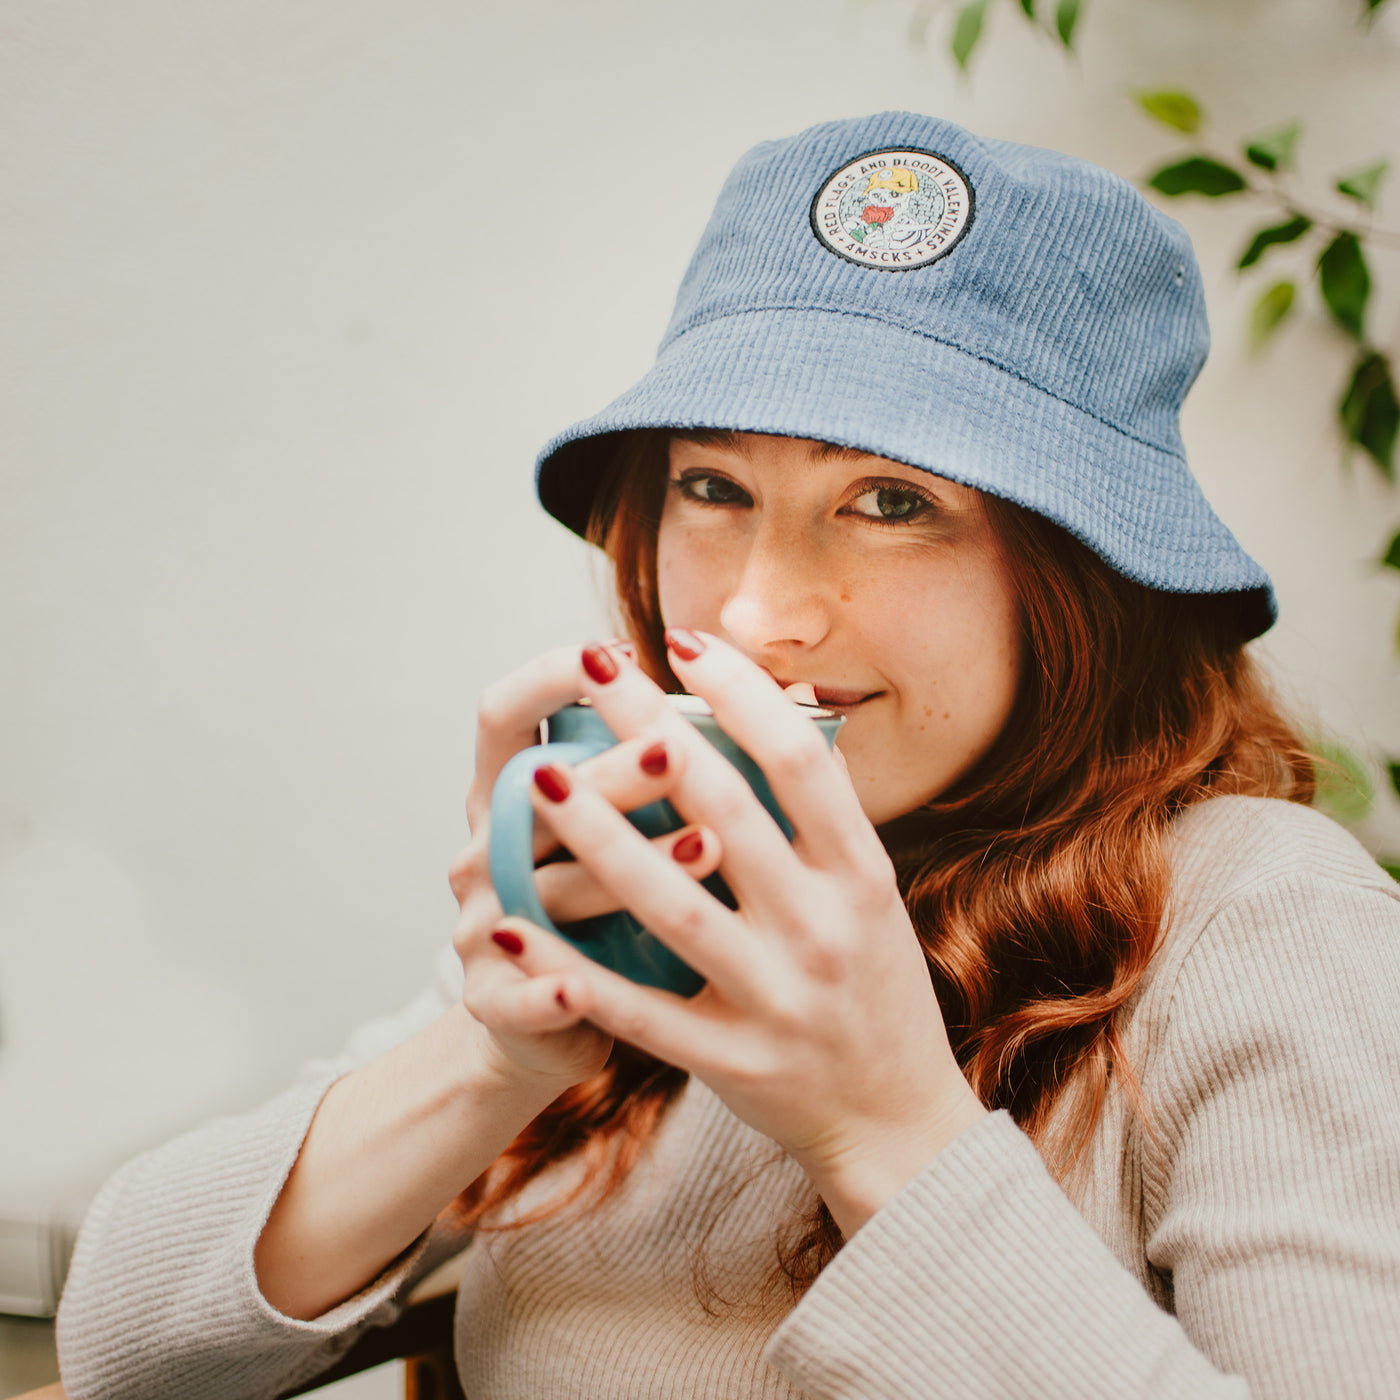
600	666
689	847
654	760
552	782
511	942
685	643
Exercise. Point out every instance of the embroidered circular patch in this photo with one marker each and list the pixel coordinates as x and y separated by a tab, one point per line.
893	209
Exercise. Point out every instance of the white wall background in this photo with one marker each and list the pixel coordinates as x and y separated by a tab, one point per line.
291	292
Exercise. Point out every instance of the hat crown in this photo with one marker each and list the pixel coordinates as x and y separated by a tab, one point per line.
1065	276
999	315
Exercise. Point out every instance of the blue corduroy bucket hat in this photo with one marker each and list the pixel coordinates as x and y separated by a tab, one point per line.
1008	317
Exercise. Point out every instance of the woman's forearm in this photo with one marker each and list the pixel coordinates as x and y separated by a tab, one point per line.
389	1147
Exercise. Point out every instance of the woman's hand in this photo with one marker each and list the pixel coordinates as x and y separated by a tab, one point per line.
395	1140
526	1028
818	1024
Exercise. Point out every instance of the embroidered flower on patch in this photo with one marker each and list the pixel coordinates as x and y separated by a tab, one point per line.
893	209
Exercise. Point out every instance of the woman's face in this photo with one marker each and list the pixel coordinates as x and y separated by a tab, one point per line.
881	586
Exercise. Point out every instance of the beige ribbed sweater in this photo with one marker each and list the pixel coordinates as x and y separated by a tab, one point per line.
1246	1243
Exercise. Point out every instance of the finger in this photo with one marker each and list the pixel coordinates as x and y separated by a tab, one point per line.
529	1006
569	890
655	1020
468	869
710	791
659	1022
498	975
509	714
527	955
488	967
811	788
631	774
683	915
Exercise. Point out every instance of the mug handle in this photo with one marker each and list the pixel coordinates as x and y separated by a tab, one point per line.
512	852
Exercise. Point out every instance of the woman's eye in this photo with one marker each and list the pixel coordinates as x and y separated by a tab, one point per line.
890	503
714	490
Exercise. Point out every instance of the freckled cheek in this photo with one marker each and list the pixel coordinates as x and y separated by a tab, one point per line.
1002	648
980	682
957	671
690	582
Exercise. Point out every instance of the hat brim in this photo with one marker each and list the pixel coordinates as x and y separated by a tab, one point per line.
857	382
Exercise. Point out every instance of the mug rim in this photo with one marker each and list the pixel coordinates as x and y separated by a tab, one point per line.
695	707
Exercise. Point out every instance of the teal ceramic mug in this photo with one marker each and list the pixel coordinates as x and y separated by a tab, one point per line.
617	940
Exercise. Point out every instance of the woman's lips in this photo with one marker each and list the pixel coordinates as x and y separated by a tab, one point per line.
829	697
843	699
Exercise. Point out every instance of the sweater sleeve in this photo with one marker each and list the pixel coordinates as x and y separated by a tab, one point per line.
1272	1202
981	1280
162	1298
1273	1193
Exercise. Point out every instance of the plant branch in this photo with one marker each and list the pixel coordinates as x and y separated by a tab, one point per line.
1388	237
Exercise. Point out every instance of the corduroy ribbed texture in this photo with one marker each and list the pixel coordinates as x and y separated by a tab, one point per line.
1260	1206
1043	359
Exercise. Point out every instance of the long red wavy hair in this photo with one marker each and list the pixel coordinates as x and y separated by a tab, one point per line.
1038	886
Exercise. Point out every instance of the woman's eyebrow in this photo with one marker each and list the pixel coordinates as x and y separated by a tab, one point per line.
711	437
832	452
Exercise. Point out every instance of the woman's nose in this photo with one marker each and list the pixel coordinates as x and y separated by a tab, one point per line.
780	596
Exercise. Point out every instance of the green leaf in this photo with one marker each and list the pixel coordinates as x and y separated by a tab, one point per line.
1370	414
1391	560
1290	232
1393	769
1029	7
1373	5
1066	17
1390	865
967	31
1177	110
1363	185
1269	311
1344	787
1197	175
1273	150
1346	281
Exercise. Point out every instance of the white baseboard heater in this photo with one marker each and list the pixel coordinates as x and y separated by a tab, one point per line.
34	1254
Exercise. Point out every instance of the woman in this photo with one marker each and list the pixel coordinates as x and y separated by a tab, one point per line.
1056	1055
